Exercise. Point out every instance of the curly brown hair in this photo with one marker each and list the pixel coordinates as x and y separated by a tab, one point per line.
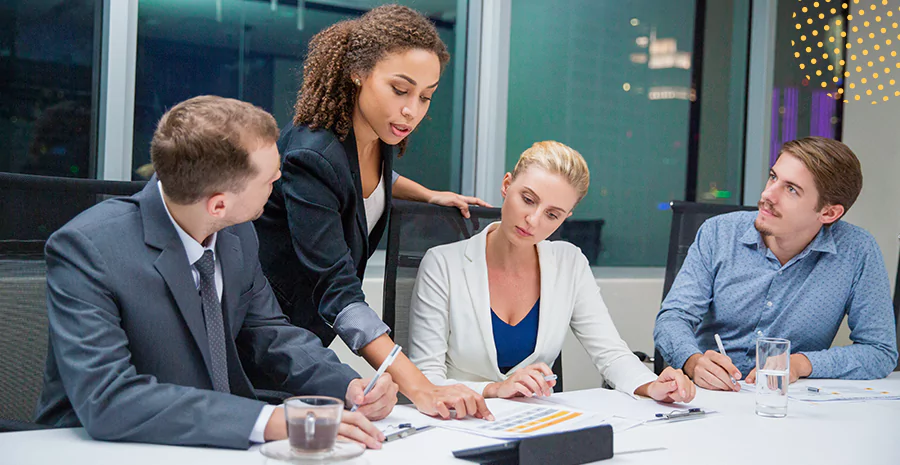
327	96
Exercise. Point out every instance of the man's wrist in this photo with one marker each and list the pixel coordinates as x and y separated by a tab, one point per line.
690	364
490	390
804	366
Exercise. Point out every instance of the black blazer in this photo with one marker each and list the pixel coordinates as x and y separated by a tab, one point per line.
314	242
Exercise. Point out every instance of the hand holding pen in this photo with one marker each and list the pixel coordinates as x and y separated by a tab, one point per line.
379	396
532	381
713	370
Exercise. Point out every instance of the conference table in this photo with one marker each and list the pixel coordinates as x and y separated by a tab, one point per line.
814	433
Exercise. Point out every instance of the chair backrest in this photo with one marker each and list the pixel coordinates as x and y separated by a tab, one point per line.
687	217
33	207
897	307
414	228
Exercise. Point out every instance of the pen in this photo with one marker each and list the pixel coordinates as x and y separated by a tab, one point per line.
384	366
550	378
722	351
406	432
812	389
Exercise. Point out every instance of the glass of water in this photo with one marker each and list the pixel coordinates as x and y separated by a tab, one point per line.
773	374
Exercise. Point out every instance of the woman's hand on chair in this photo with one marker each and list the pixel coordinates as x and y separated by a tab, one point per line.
452	199
524	382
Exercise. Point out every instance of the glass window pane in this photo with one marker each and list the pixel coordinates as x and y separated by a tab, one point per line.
810	53
49	74
723	102
253	50
613	81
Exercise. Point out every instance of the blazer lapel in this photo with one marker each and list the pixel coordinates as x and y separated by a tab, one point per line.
546	318
353	159
387	175
172	264
228	252
475	272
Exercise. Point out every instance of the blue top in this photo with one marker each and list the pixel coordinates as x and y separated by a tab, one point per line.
732	284
514	343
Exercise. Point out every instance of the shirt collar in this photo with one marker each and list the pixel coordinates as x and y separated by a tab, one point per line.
193	248
823	242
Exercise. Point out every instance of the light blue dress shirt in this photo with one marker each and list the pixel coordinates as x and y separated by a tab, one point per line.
733	285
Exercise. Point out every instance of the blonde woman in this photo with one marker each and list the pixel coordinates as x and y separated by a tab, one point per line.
491	312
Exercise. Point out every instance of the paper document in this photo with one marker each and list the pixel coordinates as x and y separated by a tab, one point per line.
832	391
836	392
518	419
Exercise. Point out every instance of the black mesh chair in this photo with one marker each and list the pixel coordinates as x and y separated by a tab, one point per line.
32	207
414	228
897	307
687	217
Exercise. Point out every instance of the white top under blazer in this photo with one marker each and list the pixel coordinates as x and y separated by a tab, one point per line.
451	336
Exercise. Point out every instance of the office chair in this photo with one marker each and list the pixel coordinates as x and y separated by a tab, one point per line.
687	217
32	208
897	306
414	228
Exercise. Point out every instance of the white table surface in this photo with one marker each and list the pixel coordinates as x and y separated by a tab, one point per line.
823	433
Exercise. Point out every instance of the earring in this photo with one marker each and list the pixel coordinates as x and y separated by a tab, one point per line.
357	82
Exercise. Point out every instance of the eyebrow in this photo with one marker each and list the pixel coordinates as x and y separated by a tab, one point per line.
413	81
551	207
792	184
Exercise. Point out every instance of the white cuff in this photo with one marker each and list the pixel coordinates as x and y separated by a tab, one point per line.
258	435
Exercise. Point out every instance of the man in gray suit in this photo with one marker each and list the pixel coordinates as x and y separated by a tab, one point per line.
158	307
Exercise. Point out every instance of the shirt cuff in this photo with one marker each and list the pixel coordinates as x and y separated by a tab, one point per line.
358	325
682	354
822	366
258	435
394	177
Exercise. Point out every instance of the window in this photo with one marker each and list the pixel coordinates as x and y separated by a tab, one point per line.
253	50
613	81
49	63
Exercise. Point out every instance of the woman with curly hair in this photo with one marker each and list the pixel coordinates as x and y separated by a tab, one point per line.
367	84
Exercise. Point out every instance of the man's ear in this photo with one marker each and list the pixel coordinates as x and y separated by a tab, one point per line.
216	205
831	213
504	186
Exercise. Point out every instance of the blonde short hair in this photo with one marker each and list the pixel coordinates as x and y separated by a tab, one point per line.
556	158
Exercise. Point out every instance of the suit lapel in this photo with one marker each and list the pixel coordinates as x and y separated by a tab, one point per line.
230	255
387	175
546	321
476	274
228	251
172	265
353	159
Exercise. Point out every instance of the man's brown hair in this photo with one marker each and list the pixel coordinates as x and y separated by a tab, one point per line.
202	146
834	167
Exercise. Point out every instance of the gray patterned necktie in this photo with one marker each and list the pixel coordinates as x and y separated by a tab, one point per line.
212	315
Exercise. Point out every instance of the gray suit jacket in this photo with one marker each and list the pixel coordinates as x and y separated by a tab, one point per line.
129	356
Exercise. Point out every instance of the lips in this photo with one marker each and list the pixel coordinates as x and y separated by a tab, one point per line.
523	232
400	130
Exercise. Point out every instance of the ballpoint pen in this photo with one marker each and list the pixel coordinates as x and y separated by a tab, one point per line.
406	431
722	351
384	366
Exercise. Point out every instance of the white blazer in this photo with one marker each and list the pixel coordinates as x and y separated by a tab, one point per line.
451	336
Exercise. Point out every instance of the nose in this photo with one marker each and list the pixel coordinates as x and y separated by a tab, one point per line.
531	217
407	112
768	194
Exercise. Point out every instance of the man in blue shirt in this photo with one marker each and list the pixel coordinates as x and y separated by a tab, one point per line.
792	270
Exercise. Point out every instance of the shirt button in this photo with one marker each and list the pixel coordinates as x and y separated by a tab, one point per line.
768	304
779	273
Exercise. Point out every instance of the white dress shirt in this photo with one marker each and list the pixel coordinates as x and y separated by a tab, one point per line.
375	205
194	251
451	337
